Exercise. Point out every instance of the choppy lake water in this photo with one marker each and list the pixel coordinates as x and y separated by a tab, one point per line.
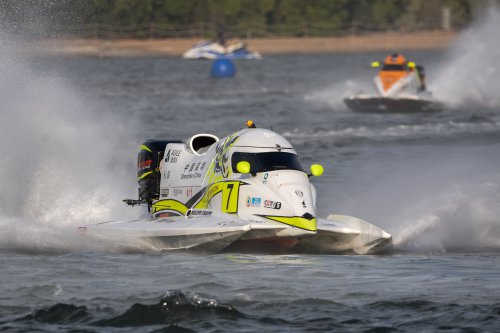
70	133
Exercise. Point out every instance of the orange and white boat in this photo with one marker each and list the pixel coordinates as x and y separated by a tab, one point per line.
400	86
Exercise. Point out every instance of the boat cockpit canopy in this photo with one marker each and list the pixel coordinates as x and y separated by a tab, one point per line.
267	161
392	67
200	143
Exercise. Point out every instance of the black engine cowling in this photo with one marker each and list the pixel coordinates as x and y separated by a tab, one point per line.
148	168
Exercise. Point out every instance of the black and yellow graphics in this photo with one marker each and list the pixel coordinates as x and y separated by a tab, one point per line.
296	221
230	195
169	206
202	199
221	167
148	168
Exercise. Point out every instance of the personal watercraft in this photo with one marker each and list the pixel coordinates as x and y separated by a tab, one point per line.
214	50
245	192
400	86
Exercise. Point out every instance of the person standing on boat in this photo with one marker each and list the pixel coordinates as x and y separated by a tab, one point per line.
221	39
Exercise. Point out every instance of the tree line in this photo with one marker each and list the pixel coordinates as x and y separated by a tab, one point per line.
238	17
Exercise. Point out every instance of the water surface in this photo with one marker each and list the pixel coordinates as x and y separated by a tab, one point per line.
70	137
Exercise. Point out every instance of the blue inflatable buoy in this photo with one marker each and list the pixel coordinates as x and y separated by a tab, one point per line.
222	68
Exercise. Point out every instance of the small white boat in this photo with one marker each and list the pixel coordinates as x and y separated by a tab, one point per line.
214	50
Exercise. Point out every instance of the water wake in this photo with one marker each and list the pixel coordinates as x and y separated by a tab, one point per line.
334	95
392	132
466	217
471	76
63	162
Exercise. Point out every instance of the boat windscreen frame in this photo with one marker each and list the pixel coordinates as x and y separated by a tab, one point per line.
393	68
267	161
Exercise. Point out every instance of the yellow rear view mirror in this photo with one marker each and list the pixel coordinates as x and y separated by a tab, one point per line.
375	64
243	167
411	64
316	170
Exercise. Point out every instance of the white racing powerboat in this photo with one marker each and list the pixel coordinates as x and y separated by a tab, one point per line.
400	86
245	192
214	50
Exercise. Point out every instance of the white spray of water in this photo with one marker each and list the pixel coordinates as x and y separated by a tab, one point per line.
434	201
63	163
397	131
465	218
464	214
334	95
471	76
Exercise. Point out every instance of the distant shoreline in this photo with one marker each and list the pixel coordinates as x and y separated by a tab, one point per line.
388	42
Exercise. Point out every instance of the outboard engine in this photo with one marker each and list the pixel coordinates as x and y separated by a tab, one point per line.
148	168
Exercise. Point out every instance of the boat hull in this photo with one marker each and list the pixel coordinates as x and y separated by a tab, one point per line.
336	234
213	50
391	105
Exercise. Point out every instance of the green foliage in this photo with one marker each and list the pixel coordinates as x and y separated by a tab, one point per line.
239	17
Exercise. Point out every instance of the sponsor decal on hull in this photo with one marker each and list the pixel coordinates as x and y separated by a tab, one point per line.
229	199
193	175
272	204
266	176
172	155
143	165
253	201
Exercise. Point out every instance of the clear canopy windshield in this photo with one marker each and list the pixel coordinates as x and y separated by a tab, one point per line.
391	67
268	161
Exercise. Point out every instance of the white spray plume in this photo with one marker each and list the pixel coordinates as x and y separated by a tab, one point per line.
471	76
334	95
439	200
464	218
62	163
